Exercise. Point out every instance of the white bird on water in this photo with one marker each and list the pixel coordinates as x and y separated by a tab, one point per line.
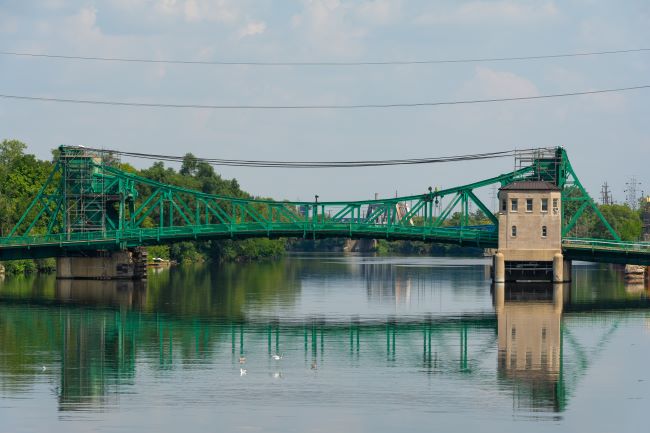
276	357
242	372
43	368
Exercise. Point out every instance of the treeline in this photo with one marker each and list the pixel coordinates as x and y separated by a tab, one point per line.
625	221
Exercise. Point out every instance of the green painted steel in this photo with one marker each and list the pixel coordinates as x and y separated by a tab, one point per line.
89	204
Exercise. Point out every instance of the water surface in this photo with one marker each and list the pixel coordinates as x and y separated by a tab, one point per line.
366	344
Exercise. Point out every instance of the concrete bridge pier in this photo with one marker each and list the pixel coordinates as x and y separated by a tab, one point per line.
499	268
561	269
104	265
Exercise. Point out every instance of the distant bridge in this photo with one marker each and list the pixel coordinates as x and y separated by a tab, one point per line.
88	204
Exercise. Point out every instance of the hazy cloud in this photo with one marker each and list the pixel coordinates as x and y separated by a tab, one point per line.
491	12
252	28
489	83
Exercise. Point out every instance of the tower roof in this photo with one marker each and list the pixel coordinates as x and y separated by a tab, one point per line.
530	185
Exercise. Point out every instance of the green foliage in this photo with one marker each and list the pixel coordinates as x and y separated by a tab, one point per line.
247	249
20	266
624	220
162	251
21	177
328	244
186	252
46	265
385	247
475	218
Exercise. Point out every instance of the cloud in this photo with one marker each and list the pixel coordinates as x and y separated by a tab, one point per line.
82	26
606	102
8	24
379	12
340	28
492	11
252	28
488	83
222	11
324	24
562	78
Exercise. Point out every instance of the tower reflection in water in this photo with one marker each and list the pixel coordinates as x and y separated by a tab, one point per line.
102	293
97	356
529	327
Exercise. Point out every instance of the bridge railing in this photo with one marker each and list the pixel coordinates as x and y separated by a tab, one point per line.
604	244
476	235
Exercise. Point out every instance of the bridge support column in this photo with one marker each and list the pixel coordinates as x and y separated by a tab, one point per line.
499	268
499	297
104	265
568	270
561	269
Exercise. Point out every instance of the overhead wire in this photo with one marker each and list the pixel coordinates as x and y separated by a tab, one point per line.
314	164
322	63
320	106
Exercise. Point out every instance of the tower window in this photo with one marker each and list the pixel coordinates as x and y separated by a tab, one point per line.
514	205
529	205
504	205
544	205
544	231
514	231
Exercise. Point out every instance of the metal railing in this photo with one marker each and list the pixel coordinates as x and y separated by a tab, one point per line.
606	245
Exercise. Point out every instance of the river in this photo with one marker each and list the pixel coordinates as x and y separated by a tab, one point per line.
325	343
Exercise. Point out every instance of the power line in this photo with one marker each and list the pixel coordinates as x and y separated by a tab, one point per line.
318	107
324	63
311	164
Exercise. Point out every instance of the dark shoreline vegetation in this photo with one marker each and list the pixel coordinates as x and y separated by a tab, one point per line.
22	174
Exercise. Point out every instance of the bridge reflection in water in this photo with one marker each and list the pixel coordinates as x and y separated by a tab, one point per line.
95	335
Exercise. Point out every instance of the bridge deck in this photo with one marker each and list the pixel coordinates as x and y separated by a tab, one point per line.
58	244
598	250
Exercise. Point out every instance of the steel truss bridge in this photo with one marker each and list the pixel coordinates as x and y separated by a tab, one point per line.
89	204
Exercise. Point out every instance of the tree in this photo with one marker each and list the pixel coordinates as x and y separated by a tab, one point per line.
624	220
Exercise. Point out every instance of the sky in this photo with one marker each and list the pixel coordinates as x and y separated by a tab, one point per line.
606	135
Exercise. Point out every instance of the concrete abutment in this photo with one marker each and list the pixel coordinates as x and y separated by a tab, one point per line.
104	265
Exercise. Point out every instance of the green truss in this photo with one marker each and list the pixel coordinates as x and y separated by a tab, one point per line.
87	203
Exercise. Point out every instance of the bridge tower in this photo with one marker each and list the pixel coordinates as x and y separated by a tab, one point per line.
91	203
530	233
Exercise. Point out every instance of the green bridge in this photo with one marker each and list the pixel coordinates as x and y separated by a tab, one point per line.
89	204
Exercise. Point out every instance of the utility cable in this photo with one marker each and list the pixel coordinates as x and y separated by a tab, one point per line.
319	107
323	63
